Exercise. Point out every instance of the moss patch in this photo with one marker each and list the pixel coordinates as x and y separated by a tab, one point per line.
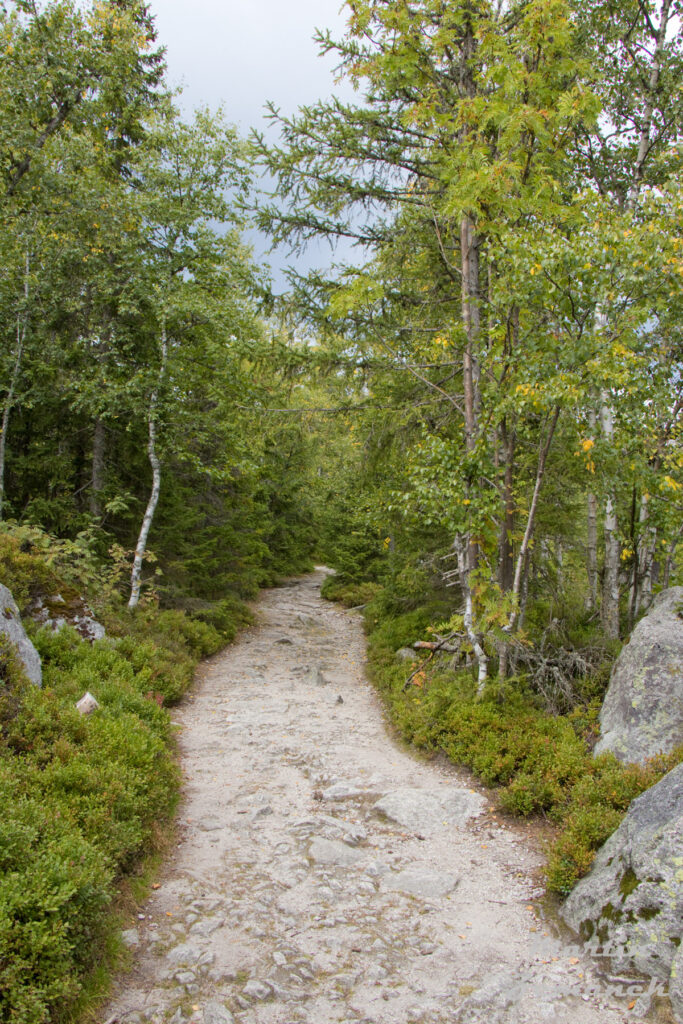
629	883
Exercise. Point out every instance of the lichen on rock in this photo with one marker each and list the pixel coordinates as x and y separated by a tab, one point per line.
630	906
642	714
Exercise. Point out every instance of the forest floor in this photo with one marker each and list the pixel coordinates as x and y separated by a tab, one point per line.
324	874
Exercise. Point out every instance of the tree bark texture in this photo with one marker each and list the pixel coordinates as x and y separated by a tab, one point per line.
136	575
98	463
610	584
22	327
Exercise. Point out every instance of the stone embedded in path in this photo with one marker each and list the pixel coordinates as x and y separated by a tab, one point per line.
186	953
317	677
256	990
329	851
422	883
341	791
216	1013
211	825
131	938
419	809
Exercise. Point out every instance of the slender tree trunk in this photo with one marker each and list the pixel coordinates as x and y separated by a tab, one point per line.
469	250
141	548
22	327
98	459
592	552
506	565
610	585
647	546
671	558
462	550
522	566
592	536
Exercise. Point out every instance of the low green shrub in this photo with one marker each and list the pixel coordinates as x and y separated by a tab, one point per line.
350	595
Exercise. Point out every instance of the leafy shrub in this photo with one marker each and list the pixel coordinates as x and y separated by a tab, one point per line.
226	616
350	595
594	808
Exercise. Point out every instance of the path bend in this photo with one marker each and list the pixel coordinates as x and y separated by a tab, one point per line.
325	875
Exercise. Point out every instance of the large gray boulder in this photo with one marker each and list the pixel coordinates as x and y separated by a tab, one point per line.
11	627
643	710
630	906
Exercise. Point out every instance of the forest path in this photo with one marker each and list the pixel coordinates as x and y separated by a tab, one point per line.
325	875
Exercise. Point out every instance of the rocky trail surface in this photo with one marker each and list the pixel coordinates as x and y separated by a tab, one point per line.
324	875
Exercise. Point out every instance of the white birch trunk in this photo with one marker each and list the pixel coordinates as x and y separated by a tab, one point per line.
136	574
462	546
610	591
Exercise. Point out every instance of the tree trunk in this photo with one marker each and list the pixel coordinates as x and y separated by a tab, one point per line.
506	565
469	253
22	327
592	535
141	548
610	584
463	551
592	552
669	564
97	479
647	546
521	569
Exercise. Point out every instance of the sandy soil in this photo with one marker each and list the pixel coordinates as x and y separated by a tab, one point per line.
323	874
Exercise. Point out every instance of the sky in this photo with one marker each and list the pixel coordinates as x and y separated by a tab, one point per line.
242	53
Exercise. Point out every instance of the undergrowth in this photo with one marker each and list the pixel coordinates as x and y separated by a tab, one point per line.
82	800
541	763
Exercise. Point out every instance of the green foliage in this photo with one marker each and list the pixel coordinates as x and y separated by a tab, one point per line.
595	808
350	595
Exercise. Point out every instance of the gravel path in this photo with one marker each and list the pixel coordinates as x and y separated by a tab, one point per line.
325	875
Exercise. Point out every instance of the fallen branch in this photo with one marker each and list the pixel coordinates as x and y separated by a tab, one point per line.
434	647
430	645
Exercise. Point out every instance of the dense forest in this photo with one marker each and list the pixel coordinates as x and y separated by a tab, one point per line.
477	423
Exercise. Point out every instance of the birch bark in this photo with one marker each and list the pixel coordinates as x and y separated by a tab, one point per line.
141	548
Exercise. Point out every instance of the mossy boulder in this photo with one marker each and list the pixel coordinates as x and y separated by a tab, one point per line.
12	630
630	906
642	714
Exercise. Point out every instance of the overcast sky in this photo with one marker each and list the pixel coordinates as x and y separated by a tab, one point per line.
242	53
